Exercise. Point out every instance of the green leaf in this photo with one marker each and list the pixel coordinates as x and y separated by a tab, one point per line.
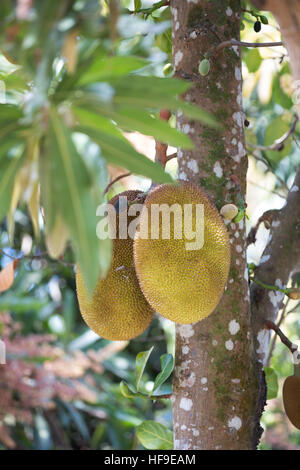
164	41
9	113
278	94
274	131
131	119
119	151
167	366
253	60
154	435
148	89
195	112
140	364
141	121
137	5
9	167
126	390
272	383
105	67
66	189
154	92
95	120
264	19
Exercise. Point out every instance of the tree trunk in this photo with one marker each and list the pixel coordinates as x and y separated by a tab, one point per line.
282	254
218	381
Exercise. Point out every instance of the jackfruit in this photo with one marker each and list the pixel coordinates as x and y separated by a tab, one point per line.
117	309
291	399
182	282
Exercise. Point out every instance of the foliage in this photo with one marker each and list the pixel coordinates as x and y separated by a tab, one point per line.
75	86
69	88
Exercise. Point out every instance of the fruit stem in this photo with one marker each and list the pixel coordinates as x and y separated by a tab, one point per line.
124	175
285	291
297	369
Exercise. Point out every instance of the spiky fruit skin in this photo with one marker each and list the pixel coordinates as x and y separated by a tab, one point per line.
291	399
183	285
117	309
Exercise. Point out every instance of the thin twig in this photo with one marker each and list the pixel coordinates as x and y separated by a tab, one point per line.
272	345
267	218
118	178
285	291
148	11
296	142
43	254
284	339
266	189
278	144
6	254
263	160
170	157
234	42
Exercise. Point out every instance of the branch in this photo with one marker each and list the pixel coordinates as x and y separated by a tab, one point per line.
43	254
118	178
272	191
282	317
170	157
234	42
267	218
160	148
281	259
278	144
284	339
270	168
148	11
289	291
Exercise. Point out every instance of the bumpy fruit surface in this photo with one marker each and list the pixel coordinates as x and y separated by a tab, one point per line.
291	399
182	285
117	309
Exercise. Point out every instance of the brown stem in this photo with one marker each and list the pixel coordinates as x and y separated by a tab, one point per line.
265	162
118	178
170	157
267	218
272	346
160	148
272	326
278	144
234	42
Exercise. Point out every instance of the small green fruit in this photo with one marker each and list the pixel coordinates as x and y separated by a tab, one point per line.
204	67
167	70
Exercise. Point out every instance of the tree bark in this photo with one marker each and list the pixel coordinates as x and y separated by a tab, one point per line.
217	401
281	257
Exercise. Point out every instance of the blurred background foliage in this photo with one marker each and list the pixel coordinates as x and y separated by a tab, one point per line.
60	386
